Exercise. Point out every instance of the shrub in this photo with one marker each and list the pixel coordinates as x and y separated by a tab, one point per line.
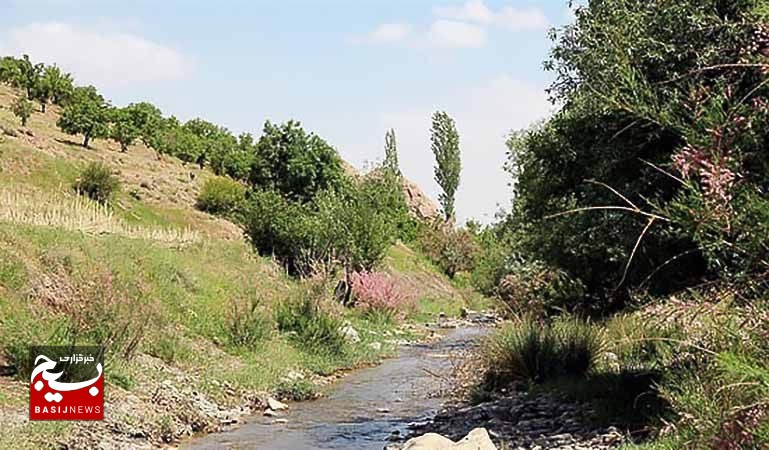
97	182
380	295
220	195
533	351
532	288
247	325
450	249
309	325
22	108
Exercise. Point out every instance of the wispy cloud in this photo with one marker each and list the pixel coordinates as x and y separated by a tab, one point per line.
453	34
97	56
456	26
515	19
385	33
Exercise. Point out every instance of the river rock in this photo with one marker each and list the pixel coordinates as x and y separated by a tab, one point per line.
477	439
275	405
350	334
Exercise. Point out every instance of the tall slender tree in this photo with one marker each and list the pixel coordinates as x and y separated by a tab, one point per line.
445	146
391	153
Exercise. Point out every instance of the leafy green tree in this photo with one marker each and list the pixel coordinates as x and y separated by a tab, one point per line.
22	108
122	129
87	114
147	119
53	85
445	146
295	163
391	153
30	75
10	71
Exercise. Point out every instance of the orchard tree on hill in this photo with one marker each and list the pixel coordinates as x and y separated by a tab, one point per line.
29	75
294	163
122	128
147	119
445	146
53	85
22	108
87	114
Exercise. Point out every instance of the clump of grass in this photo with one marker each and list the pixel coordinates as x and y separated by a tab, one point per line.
97	182
247	324
533	351
310	325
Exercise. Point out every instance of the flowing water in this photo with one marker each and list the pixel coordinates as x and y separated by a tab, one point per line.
360	411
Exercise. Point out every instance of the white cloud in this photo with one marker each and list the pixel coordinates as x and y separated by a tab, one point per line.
100	57
516	19
453	34
484	114
385	33
522	19
472	10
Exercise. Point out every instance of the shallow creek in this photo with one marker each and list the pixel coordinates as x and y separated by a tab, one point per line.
360	411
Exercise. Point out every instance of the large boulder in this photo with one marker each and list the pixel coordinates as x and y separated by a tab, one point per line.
420	205
478	439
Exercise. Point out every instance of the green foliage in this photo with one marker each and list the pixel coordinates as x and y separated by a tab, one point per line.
22	108
294	163
29	75
220	195
97	182
309	325
453	250
660	103
56	86
122	128
445	147
391	153
87	114
147	119
10	71
351	227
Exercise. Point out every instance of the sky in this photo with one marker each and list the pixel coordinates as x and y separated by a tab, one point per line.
348	70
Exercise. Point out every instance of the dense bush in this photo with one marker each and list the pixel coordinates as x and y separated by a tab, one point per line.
97	182
221	195
351	227
380	296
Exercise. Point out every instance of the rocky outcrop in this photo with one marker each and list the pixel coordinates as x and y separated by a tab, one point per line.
420	205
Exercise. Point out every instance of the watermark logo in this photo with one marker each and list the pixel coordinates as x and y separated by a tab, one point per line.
67	383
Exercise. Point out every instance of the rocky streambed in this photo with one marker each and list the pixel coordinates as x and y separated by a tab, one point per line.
401	404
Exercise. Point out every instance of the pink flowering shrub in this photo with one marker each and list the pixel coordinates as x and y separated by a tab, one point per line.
379	293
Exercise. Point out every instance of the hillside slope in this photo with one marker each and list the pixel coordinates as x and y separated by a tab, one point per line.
163	283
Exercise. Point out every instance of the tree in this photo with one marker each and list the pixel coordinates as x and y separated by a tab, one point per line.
22	108
147	119
123	129
295	163
10	71
445	146
87	114
30	75
391	153
53	85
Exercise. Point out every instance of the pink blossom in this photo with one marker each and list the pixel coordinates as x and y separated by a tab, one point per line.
378	291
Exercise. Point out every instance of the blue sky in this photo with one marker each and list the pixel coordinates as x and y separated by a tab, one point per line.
347	69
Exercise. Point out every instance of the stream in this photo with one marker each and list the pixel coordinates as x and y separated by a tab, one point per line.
361	410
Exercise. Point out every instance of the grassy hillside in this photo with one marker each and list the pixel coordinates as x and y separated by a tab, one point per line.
165	285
